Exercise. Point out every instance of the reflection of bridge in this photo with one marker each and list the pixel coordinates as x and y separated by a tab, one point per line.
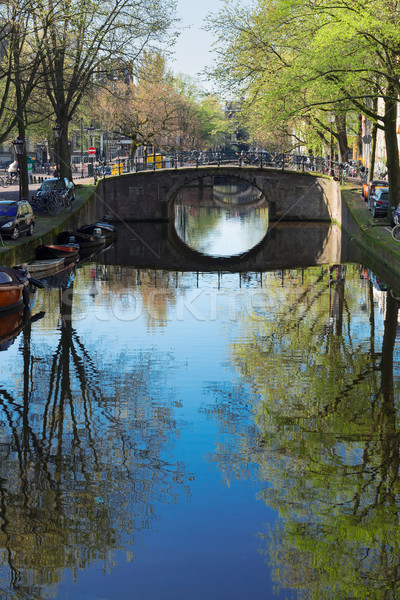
150	195
237	194
286	245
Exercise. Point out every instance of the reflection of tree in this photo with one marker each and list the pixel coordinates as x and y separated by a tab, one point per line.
134	292
190	227
81	462
327	439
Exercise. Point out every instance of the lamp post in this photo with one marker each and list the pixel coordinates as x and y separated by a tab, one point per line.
45	155
90	132
57	134
18	144
331	121
81	124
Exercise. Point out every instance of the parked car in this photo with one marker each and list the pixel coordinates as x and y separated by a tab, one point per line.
16	218
371	187
378	202
63	186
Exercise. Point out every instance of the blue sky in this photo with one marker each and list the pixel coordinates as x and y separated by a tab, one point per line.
192	51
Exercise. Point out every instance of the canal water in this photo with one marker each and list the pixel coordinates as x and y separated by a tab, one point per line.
206	435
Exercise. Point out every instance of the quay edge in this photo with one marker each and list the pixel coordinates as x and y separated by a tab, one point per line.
377	249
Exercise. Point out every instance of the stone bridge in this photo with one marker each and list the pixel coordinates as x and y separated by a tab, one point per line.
150	195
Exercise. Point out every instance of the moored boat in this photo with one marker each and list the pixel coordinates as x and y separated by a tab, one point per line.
89	240
69	252
14	291
106	229
84	240
86	254
45	266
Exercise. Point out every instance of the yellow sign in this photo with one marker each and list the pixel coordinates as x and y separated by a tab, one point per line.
117	169
158	157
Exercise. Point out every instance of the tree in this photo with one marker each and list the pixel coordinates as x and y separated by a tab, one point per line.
302	61
19	72
150	113
82	38
158	110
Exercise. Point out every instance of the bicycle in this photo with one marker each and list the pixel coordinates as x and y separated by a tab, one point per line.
58	203
7	179
396	232
53	203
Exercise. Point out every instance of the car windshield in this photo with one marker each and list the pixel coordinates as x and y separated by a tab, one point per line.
8	210
50	185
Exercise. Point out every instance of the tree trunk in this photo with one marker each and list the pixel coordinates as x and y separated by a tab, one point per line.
373	152
373	144
341	137
20	107
392	149
359	137
64	158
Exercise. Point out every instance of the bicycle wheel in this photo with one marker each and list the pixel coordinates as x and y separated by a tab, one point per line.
3	182
6	181
396	233
39	205
53	205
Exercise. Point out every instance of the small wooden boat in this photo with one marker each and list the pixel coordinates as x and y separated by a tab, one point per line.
89	240
14	291
106	229
69	252
44	267
84	240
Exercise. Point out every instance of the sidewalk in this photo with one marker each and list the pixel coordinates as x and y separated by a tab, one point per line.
12	192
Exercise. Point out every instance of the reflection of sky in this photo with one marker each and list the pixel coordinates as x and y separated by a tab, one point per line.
195	538
228	234
207	536
233	235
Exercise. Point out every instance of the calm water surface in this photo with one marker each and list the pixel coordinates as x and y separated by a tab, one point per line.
206	436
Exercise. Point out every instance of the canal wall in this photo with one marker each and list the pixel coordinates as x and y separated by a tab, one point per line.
376	247
85	210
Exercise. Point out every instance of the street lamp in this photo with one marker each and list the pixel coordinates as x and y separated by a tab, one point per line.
19	144
90	131
57	134
331	121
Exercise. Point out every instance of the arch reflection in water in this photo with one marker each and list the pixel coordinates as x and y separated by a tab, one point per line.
221	216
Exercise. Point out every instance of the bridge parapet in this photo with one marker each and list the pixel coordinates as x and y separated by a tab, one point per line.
292	196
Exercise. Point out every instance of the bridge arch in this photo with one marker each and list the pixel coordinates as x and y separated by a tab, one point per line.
207	172
292	196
